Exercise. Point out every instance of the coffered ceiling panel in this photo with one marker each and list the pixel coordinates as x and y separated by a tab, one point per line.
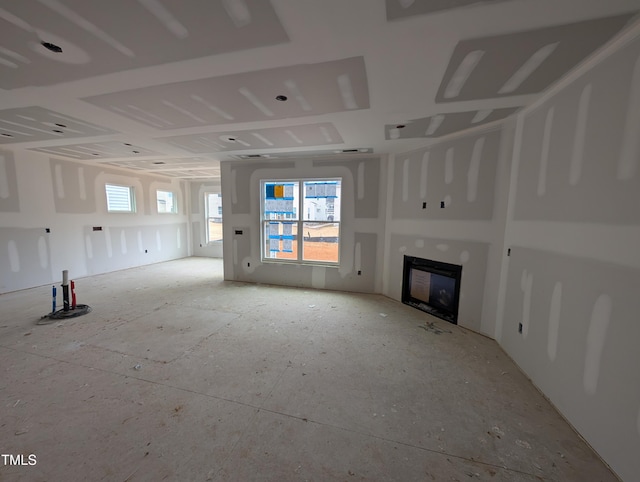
343	153
407	8
442	124
272	137
97	150
115	35
194	174
27	124
524	62
158	165
310	89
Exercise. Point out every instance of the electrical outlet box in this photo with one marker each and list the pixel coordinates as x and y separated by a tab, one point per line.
519	327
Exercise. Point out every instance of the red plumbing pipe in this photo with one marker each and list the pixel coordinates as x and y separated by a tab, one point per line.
73	295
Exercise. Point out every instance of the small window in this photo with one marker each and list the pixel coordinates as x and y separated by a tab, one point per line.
166	202
213	216
120	199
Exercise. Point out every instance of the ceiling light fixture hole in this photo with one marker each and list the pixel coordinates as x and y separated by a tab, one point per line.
61	125
400	126
136	152
127	144
53	47
6	135
281	98
58	131
159	162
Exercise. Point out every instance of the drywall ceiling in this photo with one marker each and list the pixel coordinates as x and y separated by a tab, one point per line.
148	85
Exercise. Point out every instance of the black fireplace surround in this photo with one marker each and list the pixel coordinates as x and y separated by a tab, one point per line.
432	286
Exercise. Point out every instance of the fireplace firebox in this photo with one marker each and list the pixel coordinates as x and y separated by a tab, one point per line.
432	286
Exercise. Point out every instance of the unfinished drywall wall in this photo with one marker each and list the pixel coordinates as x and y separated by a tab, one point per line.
362	224
199	224
569	290
9	199
56	218
443	208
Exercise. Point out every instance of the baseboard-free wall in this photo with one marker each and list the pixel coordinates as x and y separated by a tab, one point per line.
444	207
53	217
569	291
361	227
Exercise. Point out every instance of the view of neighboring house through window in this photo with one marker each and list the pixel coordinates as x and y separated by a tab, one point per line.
213	215
301	220
166	202
120	199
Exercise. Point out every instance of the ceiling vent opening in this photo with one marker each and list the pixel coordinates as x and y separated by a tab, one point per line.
349	150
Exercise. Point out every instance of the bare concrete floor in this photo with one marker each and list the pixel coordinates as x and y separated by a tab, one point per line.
245	382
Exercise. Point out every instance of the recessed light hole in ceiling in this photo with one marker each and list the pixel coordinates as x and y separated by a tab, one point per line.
159	162
127	144
281	98
6	135
58	131
61	125
400	126
50	46
136	152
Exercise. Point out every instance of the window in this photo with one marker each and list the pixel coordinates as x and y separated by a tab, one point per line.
301	220
166	202
120	199
213	216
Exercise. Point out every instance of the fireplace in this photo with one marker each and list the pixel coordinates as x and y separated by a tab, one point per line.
432	286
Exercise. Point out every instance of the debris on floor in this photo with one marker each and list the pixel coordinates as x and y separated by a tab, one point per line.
384	315
431	326
137	367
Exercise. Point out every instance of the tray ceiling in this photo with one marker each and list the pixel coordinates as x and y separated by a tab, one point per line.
176	87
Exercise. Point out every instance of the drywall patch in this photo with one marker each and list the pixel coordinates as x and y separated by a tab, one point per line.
405	180
318	277
474	170
123	242
360	187
544	154
88	246
526	285
596	336
4	178
358	257
43	254
235	252
448	166
82	187
464	256
234	187
420	243
14	257
554	321
630	152
577	156
59	182
424	170
158	241
178	238
108	244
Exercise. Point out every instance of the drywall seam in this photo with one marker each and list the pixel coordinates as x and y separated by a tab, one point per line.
601	54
